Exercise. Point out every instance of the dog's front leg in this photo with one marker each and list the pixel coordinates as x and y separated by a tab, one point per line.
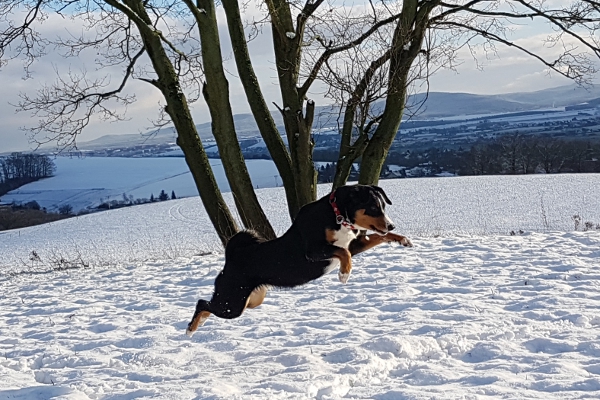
329	252
403	240
366	242
345	264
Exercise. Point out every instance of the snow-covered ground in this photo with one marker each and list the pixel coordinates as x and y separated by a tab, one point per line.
86	182
469	312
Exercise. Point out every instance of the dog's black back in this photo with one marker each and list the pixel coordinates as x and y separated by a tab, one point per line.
290	260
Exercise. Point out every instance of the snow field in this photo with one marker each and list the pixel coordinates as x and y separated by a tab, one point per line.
470	312
460	317
86	182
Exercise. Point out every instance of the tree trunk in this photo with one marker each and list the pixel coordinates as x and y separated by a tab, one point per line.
350	152
216	93
298	122
260	110
187	135
406	45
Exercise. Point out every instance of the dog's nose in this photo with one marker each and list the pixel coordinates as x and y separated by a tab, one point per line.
390	227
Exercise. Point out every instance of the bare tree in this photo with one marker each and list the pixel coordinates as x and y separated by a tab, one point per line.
484	159
361	54
551	154
578	152
512	152
124	33
529	155
428	36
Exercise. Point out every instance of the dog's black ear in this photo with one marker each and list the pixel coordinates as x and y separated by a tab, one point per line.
381	194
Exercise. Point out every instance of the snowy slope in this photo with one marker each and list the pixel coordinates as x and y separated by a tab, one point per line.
422	206
473	313
87	182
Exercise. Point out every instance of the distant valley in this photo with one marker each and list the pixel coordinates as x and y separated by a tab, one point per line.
440	120
552	131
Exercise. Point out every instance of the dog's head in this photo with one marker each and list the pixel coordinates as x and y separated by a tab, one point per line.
364	206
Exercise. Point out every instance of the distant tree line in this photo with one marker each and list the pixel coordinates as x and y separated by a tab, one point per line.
20	215
128	200
23	217
19	169
16	216
326	173
510	154
518	154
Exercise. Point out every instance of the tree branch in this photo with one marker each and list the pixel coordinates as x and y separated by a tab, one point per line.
576	71
22	31
312	76
67	107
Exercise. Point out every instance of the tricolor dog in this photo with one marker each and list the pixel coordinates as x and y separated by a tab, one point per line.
324	236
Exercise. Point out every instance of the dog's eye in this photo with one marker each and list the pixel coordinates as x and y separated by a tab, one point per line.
374	208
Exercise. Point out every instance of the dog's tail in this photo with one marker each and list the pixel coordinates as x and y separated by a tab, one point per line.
242	240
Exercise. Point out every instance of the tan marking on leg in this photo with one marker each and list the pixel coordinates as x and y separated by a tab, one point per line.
345	259
366	242
197	321
256	297
345	263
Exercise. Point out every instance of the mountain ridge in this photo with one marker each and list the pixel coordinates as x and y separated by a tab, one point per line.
432	105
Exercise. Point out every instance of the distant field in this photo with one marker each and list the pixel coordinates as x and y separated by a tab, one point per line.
86	182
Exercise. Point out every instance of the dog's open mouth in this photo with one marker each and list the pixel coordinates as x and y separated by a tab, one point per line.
379	231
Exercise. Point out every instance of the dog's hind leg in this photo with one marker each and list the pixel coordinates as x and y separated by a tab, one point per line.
231	303
256	297
228	301
200	316
222	305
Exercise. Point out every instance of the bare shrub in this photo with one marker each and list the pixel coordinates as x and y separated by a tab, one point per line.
576	220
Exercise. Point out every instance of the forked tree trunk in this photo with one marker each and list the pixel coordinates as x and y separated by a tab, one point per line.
350	152
216	93
298	120
178	110
406	45
260	110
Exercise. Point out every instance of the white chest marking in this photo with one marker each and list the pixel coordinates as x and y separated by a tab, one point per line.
343	237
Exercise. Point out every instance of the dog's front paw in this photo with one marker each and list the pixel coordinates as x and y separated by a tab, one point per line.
394	238
343	277
406	242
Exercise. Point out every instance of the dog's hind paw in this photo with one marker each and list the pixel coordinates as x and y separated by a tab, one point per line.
343	277
197	321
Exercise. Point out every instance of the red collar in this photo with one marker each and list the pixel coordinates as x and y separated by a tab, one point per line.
339	218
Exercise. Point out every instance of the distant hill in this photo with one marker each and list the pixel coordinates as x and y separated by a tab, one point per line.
556	97
244	123
439	104
426	106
